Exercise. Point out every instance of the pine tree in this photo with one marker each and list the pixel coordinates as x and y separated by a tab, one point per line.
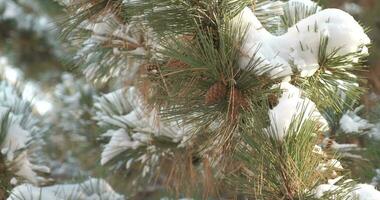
216	99
223	99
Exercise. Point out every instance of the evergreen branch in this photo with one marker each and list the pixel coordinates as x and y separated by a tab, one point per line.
151	19
208	60
276	169
338	79
82	11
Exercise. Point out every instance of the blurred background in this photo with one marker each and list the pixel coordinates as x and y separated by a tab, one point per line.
31	54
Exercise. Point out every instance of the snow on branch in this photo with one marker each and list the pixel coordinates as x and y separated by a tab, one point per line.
18	132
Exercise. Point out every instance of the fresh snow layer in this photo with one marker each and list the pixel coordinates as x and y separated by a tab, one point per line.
133	126
292	105
123	61
15	139
93	189
352	123
120	142
300	45
365	192
14	112
360	192
330	164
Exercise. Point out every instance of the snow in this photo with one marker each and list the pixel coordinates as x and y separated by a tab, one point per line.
8	72
23	168
366	192
375	132
334	163
16	140
92	189
123	62
322	189
13	75
330	164
360	191
340	147
43	106
376	179
120	142
352	123
131	124
300	45
292	106
15	147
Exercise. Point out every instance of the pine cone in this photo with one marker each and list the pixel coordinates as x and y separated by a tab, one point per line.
215	93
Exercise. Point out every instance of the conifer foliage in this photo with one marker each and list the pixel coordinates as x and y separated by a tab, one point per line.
222	98
219	99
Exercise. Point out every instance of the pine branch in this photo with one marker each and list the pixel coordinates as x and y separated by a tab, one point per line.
150	19
337	80
183	94
279	169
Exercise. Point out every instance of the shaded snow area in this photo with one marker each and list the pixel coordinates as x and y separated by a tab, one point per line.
92	189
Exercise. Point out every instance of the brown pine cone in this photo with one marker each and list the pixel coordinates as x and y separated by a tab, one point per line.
216	93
